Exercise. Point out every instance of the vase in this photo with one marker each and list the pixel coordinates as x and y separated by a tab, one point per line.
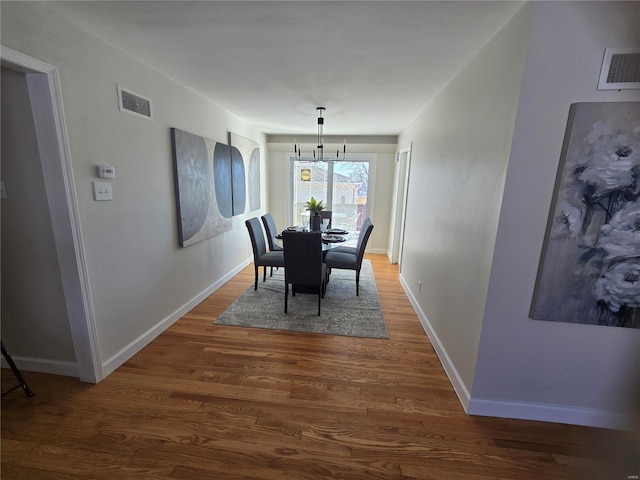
315	221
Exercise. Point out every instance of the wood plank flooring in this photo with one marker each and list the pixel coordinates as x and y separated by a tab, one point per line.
216	402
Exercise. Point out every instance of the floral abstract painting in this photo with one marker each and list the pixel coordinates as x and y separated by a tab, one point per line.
590	266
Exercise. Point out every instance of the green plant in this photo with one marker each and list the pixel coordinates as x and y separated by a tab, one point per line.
314	206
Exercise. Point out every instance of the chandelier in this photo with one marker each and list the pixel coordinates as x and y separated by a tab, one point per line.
318	152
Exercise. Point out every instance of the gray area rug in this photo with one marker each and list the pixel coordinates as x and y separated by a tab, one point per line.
342	312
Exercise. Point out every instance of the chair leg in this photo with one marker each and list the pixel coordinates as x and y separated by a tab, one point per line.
264	273
286	296
357	283
256	282
319	298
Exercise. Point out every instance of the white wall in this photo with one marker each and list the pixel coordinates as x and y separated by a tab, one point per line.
34	313
460	150
140	280
534	369
380	202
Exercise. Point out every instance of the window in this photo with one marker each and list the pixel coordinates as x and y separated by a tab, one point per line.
342	186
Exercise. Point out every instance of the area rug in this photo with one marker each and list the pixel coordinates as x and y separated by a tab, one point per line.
342	312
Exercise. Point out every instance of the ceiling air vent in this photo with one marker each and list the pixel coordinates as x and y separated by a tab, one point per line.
620	69
134	104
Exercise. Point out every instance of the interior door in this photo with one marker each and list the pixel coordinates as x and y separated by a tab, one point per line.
401	178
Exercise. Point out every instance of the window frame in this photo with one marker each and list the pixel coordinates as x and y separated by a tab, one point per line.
349	157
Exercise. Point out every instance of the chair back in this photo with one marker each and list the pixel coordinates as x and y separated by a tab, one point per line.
363	238
302	257
257	238
327	214
271	230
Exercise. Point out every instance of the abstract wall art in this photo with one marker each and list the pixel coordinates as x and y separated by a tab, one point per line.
203	193
589	270
245	161
222	183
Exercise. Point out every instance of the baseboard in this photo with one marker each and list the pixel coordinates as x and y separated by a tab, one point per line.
549	413
512	409
382	251
449	368
143	340
43	365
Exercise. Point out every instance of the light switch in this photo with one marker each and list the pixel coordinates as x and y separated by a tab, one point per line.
102	191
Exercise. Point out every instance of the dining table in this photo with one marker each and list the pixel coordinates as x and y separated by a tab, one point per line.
332	238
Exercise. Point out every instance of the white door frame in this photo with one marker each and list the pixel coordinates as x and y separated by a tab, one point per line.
43	81
399	207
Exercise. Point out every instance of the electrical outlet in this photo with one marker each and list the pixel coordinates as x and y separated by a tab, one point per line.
102	191
419	286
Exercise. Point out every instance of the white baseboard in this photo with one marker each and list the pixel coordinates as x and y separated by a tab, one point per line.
143	340
449	368
549	413
513	409
43	365
377	250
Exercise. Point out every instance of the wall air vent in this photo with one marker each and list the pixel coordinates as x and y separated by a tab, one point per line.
134	104
620	69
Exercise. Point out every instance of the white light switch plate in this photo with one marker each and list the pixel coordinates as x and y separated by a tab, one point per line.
102	191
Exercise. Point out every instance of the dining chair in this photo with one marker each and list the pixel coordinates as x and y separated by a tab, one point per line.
303	266
354	250
262	258
327	214
271	231
351	261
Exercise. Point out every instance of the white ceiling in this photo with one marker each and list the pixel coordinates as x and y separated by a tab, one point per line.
373	65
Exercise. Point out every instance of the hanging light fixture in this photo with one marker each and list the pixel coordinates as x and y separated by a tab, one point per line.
318	153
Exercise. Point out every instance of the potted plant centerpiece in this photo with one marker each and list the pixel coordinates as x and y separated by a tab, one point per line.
314	207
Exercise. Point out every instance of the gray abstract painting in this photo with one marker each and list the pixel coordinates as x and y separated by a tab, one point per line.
197	201
245	158
222	179
590	266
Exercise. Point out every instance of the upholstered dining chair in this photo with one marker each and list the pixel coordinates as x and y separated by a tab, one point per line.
303	266
327	214
354	250
271	231
262	258
347	260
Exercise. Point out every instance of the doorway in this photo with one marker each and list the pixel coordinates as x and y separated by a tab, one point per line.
399	206
59	197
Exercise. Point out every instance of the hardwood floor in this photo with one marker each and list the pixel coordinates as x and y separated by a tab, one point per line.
215	402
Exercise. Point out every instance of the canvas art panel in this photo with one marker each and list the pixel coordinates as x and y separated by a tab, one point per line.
203	193
245	160
222	179
589	271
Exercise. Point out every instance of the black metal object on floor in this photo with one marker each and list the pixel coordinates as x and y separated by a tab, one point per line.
21	383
